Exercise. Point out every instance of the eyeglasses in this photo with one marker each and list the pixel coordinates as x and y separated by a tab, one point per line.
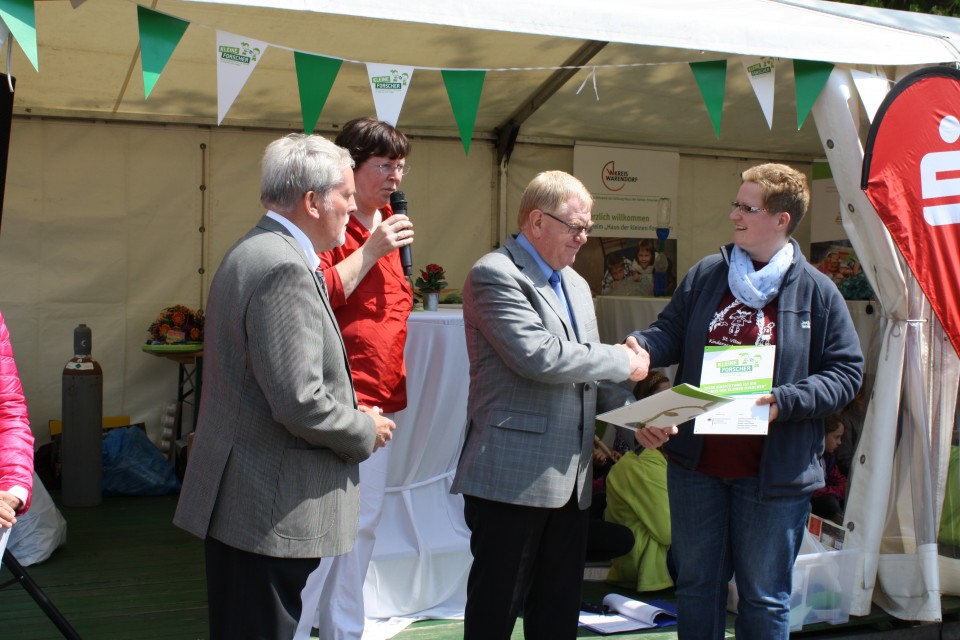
387	169
573	229
745	208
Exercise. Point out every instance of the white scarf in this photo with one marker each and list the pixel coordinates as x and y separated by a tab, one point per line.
757	288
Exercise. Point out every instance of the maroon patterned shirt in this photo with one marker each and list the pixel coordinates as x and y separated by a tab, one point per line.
735	323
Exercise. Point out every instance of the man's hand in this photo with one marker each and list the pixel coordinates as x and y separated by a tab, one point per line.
771	400
639	360
654	437
385	426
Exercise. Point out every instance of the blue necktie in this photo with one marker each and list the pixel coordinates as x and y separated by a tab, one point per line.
558	289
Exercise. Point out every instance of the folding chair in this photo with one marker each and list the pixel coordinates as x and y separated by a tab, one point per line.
20	575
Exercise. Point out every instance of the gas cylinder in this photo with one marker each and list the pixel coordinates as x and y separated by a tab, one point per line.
82	410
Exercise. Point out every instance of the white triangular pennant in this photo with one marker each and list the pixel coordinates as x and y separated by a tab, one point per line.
762	72
389	84
872	89
237	57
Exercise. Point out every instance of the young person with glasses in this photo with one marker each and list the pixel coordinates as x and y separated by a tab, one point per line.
739	503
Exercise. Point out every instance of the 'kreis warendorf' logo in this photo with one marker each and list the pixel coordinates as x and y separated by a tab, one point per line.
613	179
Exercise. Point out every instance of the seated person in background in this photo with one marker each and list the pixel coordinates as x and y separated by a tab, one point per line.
605	540
828	501
637	498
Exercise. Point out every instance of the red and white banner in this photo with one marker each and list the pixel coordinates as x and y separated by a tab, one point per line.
911	174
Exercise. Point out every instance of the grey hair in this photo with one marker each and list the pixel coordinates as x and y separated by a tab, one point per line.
549	191
298	163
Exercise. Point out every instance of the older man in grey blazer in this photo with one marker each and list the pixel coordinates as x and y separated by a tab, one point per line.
271	485
538	374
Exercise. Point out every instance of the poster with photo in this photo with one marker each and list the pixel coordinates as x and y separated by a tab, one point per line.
633	194
839	262
830	250
627	266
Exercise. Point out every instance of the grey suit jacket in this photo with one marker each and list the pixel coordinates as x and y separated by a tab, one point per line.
533	391
273	468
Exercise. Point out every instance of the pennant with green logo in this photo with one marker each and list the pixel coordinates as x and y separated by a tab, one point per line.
21	20
315	76
237	57
159	36
810	77
463	89
712	79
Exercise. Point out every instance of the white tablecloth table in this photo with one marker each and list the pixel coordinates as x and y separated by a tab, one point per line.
422	554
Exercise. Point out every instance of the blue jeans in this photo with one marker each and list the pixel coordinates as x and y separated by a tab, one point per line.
721	527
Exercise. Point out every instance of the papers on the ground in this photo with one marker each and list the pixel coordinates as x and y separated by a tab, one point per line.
743	373
630	615
673	406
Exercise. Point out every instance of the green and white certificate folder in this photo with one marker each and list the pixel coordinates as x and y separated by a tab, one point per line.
673	406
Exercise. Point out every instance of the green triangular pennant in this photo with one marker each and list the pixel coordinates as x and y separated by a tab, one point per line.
315	76
21	20
810	76
159	36
712	79
463	89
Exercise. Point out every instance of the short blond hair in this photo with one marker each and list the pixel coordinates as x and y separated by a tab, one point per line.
549	191
783	189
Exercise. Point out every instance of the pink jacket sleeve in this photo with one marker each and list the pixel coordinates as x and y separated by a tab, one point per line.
16	438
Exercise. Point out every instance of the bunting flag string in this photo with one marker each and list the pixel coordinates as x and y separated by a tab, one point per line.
810	77
872	89
463	89
237	57
762	73
159	36
389	84
21	20
711	77
315	76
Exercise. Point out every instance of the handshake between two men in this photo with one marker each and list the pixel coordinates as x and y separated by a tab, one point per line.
639	359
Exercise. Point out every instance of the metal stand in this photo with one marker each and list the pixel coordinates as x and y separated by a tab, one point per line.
189	380
20	575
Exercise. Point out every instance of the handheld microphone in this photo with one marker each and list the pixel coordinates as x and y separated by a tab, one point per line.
398	202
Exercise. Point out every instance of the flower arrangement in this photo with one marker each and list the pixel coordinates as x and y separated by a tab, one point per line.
431	278
177	325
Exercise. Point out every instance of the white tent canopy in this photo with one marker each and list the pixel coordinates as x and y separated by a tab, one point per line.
536	53
89	63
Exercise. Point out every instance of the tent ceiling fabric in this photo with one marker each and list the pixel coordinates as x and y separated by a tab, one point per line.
90	66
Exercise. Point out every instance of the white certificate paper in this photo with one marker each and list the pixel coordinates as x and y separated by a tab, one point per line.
673	406
743	373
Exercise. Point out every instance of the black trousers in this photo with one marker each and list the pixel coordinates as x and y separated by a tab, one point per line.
253	596
527	558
